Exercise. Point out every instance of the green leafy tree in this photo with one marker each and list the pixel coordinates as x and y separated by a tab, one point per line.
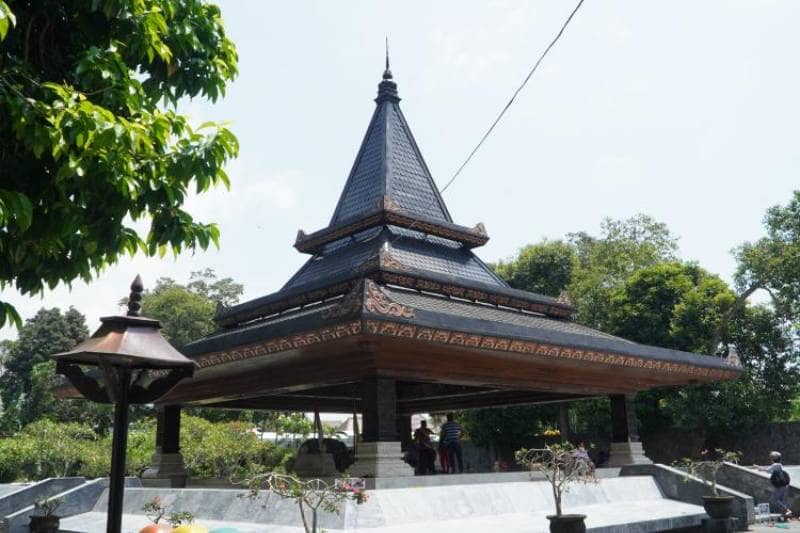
545	268
184	315
187	311
48	332
605	262
681	306
770	264
90	139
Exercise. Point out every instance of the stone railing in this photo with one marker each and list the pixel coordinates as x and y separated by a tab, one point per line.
676	485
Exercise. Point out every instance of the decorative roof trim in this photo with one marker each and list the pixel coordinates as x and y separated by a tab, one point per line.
388	213
389	328
383	267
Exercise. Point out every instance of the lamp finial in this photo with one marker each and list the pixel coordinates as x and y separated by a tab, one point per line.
135	299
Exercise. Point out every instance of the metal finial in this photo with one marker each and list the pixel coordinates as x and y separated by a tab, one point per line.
387	74
135	299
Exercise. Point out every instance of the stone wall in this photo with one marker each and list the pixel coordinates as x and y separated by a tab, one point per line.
671	445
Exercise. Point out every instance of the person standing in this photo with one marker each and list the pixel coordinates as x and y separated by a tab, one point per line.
451	433
779	478
427	455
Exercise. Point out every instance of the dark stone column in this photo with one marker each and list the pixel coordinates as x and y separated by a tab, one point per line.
167	468
619	418
405	430
626	446
380	453
169	429
380	410
563	421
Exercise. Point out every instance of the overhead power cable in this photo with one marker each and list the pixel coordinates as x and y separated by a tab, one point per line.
513	97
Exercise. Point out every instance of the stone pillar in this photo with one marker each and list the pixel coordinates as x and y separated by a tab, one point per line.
405	430
563	421
626	446
316	465
167	468
380	454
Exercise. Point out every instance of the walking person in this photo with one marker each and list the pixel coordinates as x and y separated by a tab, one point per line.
451	432
779	478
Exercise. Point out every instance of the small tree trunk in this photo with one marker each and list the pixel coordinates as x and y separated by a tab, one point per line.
557	498
303	516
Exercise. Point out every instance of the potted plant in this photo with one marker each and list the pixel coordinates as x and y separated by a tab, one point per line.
706	467
155	511
310	495
561	465
45	520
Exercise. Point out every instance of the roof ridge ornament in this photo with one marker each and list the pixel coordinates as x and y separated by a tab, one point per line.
387	74
387	89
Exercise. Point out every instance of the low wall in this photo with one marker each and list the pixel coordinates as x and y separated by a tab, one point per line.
756	483
676	485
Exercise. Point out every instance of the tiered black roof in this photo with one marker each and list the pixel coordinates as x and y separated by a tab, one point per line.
390	218
392	250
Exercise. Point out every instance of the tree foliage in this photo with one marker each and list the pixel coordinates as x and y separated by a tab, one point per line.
545	268
90	139
25	393
629	282
187	311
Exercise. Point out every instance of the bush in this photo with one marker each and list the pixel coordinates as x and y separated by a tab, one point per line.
50	449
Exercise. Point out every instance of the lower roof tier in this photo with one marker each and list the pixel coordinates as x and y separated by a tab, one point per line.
379	330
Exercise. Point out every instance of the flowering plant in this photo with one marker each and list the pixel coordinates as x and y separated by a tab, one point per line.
310	495
549	432
708	465
561	465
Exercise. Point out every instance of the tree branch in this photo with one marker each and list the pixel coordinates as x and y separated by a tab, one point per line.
738	304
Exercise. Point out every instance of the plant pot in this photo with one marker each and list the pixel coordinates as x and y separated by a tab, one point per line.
718	506
567	523
156	528
44	524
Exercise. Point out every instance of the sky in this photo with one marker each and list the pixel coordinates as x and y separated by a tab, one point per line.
683	110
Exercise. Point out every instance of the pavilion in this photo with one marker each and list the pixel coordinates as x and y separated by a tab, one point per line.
394	314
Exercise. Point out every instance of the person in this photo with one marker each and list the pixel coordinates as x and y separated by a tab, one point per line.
427	456
779	479
444	460
581	454
451	432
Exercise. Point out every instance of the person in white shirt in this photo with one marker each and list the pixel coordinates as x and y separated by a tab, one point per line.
779	479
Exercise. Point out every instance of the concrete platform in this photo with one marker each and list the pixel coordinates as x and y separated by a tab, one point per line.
612	505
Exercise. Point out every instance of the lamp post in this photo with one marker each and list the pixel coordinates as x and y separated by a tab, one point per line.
133	363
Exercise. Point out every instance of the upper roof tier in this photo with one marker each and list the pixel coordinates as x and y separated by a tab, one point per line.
390	184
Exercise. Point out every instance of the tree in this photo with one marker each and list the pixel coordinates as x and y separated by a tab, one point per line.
48	332
771	264
187	311
681	306
90	138
545	268
605	262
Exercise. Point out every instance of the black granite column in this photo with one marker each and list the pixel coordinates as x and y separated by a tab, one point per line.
624	424
380	410
168	430
404	430
380	454
167	468
626	446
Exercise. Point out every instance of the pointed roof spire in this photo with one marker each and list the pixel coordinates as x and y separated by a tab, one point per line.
387	74
387	89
